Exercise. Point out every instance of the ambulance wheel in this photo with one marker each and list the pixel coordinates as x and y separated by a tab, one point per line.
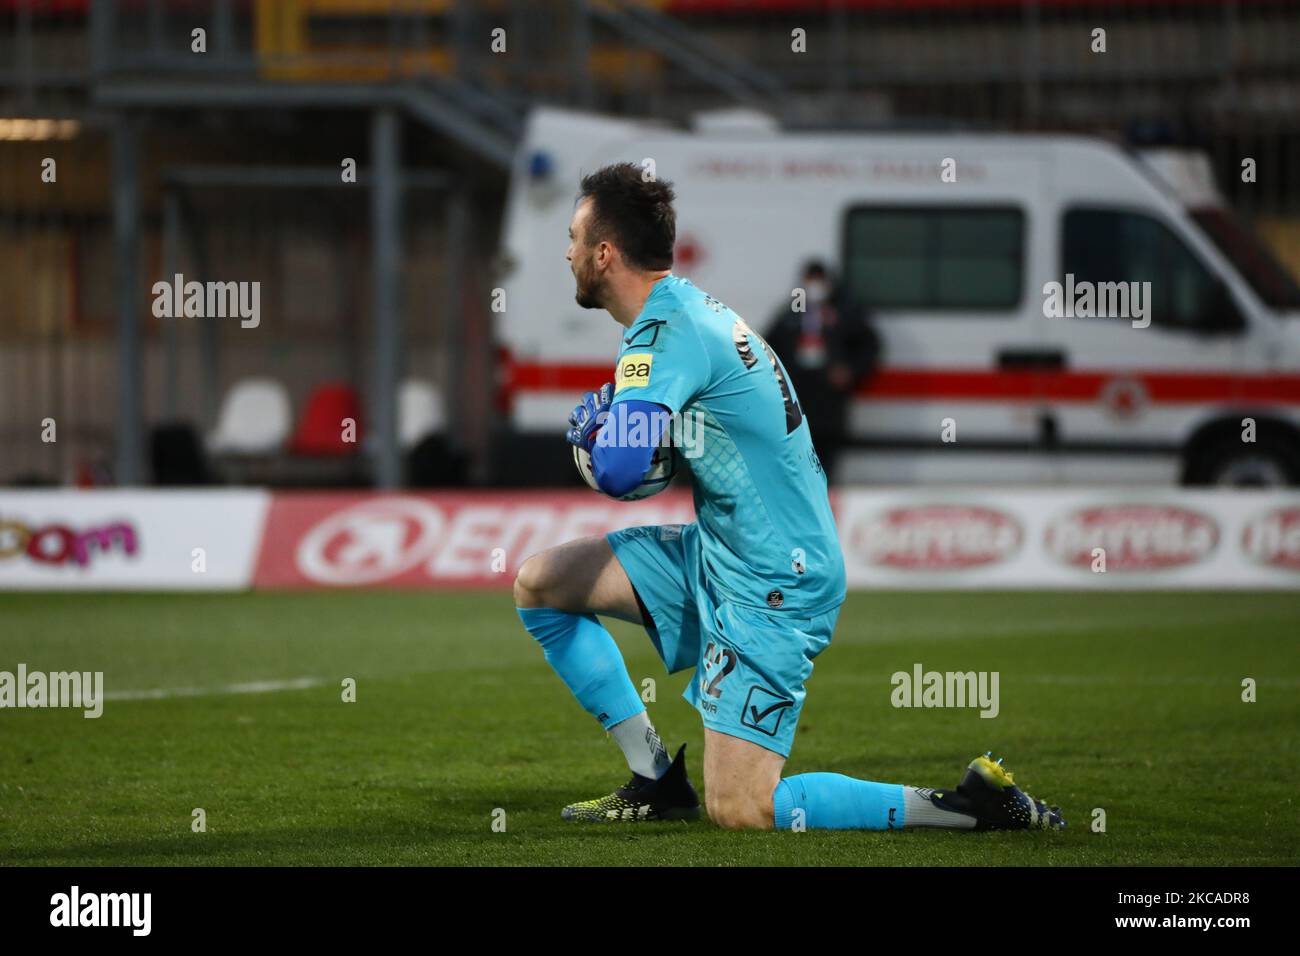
1228	462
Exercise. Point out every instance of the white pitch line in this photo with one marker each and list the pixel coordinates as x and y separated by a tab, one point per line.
254	687
1153	681
1102	679
887	632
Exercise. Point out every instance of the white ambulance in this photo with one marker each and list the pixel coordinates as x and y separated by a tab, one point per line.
1052	309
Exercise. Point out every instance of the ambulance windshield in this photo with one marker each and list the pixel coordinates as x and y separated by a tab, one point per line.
1251	257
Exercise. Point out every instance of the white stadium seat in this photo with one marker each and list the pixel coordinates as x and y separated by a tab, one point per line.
419	412
255	419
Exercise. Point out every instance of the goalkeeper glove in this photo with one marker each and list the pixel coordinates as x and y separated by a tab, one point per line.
588	416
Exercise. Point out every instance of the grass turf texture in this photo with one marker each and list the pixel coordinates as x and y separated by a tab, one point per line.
1128	702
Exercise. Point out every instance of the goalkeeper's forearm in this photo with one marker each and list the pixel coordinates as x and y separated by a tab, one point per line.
626	445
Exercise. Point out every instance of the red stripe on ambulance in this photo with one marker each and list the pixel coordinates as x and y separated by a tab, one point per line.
893	384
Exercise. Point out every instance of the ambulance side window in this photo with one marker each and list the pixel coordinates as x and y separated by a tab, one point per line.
1122	246
935	258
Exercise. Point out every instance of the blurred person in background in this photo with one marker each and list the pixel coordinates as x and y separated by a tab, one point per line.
829	350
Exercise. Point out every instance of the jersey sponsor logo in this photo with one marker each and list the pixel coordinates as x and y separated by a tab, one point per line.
633	370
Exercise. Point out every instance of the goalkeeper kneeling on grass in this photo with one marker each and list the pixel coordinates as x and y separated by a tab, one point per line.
748	594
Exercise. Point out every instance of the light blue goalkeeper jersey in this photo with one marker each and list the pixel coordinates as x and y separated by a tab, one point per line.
767	534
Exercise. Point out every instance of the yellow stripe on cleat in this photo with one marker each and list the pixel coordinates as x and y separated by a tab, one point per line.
994	774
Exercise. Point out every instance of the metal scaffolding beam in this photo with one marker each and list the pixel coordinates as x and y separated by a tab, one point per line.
386	276
290	177
126	278
455	256
437	105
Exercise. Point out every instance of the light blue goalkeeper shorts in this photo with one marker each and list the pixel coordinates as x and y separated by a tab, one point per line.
750	663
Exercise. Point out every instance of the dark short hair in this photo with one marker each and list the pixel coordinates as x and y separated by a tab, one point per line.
814	268
634	214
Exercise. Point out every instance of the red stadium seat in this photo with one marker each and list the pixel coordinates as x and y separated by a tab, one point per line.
321	429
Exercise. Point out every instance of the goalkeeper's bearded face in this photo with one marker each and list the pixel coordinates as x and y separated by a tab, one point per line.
582	261
588	292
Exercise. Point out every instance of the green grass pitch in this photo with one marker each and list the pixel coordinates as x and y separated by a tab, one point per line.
1126	702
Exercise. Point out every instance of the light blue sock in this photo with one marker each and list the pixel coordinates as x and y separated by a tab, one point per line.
832	801
585	656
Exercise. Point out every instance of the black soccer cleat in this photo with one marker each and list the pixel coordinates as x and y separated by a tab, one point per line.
988	793
671	797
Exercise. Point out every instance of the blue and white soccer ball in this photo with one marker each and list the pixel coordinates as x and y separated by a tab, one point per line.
662	470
